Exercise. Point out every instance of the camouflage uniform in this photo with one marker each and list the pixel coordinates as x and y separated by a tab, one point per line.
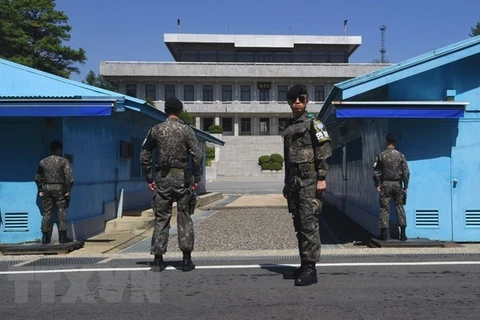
392	175
306	150
54	178
174	142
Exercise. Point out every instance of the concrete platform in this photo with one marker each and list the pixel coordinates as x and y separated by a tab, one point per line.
38	248
410	243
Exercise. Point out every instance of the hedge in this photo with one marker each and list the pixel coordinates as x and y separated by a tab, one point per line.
215	129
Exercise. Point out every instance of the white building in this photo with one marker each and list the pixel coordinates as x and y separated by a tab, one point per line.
240	81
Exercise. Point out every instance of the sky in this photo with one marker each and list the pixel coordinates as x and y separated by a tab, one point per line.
119	30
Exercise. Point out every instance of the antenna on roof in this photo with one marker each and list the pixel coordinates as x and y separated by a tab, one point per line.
178	25
383	50
345	27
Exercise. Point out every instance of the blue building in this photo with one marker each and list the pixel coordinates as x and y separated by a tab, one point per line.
101	131
432	104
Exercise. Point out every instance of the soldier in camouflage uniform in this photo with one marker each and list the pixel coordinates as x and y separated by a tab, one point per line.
306	150
391	180
174	141
54	180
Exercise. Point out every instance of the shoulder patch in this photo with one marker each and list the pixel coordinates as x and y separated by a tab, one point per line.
320	131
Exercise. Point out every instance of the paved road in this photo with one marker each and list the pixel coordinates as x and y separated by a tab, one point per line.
426	287
245	187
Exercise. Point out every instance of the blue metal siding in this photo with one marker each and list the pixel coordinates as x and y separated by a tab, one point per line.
99	171
22	150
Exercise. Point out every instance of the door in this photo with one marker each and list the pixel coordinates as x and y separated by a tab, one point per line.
465	181
427	148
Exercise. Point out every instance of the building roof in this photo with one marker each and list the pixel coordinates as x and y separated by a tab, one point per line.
347	90
28	88
245	41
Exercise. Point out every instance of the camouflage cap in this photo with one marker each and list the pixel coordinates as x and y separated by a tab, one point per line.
295	91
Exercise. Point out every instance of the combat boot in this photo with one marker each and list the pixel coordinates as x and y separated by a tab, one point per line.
62	237
383	234
187	264
158	263
308	276
403	236
45	238
295	273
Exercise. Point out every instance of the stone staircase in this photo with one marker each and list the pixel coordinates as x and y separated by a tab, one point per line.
238	158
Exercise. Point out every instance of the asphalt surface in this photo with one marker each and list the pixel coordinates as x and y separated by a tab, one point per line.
245	187
348	289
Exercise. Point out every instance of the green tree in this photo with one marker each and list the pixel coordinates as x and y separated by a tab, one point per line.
476	30
33	33
186	117
98	81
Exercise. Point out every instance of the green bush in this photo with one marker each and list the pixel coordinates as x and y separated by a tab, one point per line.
210	155
263	159
267	166
215	129
276	158
277	166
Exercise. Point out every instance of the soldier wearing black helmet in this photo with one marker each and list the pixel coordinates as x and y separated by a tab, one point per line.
174	142
306	150
391	180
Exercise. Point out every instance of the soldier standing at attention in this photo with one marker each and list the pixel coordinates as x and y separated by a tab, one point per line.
306	150
174	141
391	180
54	180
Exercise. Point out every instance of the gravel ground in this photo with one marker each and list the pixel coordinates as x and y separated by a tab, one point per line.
244	229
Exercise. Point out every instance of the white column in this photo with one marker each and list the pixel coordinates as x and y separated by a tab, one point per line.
217	120
236	126
197	122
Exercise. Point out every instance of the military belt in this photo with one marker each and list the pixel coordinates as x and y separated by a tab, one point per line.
178	170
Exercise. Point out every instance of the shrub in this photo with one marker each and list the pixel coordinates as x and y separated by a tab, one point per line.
276	158
210	153
267	166
215	129
263	159
277	166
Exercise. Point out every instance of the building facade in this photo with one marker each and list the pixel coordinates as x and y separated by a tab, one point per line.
239	82
432	104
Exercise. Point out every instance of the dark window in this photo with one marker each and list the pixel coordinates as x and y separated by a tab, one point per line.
226	92
264	126
282	56
245	126
131	90
245	93
337	156
319	93
226	56
189	92
188	55
207	55
208	92
301	56
264	95
282	124
151	92
207	122
282	93
245	56
319	56
169	91
354	149
337	57
227	124
263	56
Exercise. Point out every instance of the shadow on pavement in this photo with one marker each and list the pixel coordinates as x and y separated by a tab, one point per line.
337	228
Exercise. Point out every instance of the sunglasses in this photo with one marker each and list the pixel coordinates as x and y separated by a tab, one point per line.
302	99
